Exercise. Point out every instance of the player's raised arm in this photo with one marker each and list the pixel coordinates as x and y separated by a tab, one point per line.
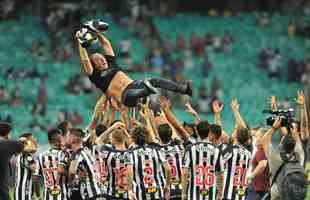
235	108
106	44
217	109
85	61
304	126
146	115
171	117
191	110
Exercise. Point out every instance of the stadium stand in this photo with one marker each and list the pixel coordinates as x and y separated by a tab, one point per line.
249	40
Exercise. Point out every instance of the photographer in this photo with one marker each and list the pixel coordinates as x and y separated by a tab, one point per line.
288	180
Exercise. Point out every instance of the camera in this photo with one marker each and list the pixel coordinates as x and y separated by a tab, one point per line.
287	117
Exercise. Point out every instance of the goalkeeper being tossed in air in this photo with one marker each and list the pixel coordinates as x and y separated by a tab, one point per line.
102	70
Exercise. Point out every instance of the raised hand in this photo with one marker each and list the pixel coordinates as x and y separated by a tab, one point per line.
300	100
277	123
234	105
164	102
101	104
216	107
273	103
190	109
115	105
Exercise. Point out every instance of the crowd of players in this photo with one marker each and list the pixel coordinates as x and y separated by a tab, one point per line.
148	154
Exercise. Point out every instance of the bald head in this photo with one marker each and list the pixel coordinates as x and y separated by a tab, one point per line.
99	61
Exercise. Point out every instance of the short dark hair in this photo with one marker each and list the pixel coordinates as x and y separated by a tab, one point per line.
288	143
242	135
52	135
77	132
216	130
164	132
101	128
138	134
25	135
5	128
63	127
203	129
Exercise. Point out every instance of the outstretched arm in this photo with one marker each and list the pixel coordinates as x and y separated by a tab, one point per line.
273	103
104	137
191	110
304	126
105	44
235	108
99	109
217	109
266	139
87	66
146	115
259	169
171	117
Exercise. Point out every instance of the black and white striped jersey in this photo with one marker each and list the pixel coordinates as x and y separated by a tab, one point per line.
237	161
102	174
148	172
24	186
173	153
117	164
87	173
55	185
204	162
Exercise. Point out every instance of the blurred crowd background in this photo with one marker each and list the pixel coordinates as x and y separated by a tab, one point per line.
230	48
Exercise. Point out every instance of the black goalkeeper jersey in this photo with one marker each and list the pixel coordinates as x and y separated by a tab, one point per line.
102	79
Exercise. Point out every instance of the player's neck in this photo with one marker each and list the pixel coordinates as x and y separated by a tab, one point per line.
235	142
119	147
76	147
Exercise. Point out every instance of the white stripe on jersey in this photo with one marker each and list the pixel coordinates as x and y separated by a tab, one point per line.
148	169
47	168
90	185
237	165
18	172
203	160
23	189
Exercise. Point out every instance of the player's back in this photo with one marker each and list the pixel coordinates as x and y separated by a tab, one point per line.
24	186
55	185
173	153
148	174
237	161
117	165
87	173
203	160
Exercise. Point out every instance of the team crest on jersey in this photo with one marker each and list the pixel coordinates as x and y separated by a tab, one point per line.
151	190
204	192
240	192
54	191
120	193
